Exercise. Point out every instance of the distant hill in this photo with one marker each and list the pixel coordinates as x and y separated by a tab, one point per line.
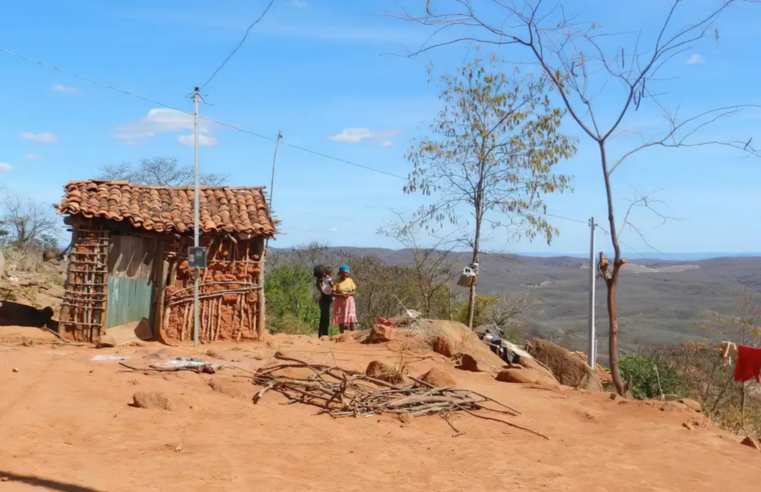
659	300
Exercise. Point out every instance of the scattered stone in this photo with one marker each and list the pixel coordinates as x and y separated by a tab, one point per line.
674	407
439	378
381	334
325	338
692	404
468	363
615	397
214	353
346	337
442	346
152	399
751	443
406	418
241	390
378	370
106	341
687	426
15	369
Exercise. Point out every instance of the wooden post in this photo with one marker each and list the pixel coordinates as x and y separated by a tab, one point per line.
260	301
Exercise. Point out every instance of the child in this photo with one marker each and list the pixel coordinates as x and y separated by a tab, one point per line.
325	288
344	310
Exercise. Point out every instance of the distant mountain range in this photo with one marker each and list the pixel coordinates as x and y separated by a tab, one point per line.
655	256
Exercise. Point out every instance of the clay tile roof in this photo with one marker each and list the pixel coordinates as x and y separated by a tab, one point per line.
165	209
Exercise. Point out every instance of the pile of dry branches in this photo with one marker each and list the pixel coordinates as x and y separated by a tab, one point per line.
344	393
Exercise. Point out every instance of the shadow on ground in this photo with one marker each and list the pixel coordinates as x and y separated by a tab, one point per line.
45	483
15	314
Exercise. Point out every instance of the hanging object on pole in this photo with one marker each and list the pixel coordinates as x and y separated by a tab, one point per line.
468	276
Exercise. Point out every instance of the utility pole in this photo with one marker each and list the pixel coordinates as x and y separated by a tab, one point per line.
196	217
592	355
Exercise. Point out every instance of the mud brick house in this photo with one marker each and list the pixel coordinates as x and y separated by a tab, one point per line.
128	260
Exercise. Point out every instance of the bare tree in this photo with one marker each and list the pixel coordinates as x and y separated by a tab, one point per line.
580	60
159	171
27	223
491	150
431	265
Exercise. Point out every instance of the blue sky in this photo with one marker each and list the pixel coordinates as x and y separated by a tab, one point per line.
317	69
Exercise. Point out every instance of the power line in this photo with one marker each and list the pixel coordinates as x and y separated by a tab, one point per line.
167	106
245	36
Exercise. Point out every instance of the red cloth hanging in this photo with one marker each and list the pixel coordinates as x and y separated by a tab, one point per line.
748	364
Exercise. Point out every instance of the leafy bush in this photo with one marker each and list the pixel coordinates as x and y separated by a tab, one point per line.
290	325
291	303
639	370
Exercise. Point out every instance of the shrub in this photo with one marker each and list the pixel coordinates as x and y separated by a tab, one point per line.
645	381
290	325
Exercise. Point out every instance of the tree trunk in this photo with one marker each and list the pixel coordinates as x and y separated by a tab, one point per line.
612	282
472	296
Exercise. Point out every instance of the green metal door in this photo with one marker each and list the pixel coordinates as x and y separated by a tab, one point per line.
129	299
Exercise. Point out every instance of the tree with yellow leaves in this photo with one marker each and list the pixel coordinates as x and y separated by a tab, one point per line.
489	157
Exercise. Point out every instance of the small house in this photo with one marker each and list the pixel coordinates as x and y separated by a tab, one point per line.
128	260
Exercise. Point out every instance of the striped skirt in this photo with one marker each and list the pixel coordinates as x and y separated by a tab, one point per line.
344	310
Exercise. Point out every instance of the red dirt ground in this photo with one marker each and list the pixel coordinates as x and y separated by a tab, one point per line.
66	424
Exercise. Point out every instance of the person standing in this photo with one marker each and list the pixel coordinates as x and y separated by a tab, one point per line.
344	310
325	288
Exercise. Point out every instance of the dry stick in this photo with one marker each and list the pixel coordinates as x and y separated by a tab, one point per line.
184	322
58	335
219	318
504	422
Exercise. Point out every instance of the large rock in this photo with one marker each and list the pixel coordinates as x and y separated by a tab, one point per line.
460	339
442	346
378	370
567	368
523	375
469	363
692	404
152	399
437	377
674	407
381	334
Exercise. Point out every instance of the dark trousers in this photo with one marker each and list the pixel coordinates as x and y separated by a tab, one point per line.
325	303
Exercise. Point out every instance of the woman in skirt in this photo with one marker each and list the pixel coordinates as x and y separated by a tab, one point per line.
344	311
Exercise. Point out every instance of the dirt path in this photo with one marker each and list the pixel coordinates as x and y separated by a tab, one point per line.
65	420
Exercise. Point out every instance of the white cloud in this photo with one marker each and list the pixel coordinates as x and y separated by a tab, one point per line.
354	135
298	4
695	59
39	137
156	122
333	229
203	140
65	88
33	157
387	143
5	167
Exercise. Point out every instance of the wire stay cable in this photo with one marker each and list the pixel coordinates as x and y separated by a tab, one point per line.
235	50
210	120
